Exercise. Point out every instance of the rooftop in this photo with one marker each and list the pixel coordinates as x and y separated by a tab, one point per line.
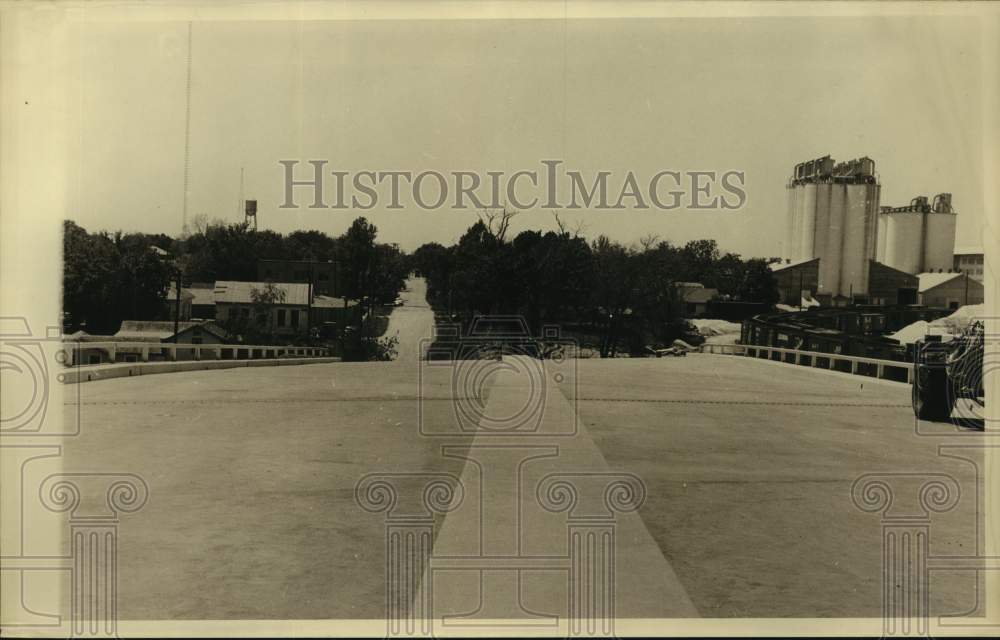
699	294
159	330
778	266
231	291
201	295
328	302
968	251
172	294
930	280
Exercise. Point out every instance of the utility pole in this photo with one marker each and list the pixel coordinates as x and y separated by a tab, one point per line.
177	304
309	321
967	288
450	299
800	290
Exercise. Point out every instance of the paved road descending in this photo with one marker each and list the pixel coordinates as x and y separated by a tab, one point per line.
412	323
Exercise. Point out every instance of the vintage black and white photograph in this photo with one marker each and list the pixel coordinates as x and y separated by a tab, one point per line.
559	319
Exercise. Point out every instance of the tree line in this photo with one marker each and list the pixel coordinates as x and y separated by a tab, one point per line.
109	277
624	296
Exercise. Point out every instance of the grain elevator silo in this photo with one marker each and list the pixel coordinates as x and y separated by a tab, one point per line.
918	237
833	216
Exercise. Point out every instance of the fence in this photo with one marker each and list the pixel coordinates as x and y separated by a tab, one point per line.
871	367
141	351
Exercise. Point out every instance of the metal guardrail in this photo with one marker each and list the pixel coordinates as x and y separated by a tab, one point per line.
796	356
181	351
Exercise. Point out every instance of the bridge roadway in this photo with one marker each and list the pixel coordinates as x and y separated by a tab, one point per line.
748	467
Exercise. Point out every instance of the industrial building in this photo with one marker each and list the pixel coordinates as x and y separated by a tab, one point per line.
842	248
949	290
797	282
832	209
919	237
970	260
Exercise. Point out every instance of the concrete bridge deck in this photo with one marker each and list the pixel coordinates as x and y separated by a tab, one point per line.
748	467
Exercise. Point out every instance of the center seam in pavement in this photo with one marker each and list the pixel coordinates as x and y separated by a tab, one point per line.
645	579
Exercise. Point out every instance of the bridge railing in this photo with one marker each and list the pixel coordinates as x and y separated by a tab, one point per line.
871	367
141	351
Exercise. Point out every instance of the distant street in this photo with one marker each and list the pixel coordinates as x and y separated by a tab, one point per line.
747	464
413	322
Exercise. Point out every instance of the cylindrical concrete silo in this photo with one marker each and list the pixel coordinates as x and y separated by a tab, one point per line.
792	231
875	198
860	206
881	233
829	234
939	241
904	240
807	207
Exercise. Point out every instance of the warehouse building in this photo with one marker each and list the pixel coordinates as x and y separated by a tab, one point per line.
799	281
949	290
970	260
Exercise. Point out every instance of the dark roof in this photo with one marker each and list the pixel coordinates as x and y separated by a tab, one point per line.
160	330
208	327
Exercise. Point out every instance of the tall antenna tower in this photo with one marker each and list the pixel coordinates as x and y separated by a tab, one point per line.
187	134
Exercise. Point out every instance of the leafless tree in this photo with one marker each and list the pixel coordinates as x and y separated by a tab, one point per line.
576	231
497	221
648	242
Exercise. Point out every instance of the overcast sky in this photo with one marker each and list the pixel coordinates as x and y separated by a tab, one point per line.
645	95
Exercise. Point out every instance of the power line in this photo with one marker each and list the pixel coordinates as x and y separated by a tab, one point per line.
187	134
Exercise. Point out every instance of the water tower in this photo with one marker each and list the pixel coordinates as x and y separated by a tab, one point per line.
250	214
